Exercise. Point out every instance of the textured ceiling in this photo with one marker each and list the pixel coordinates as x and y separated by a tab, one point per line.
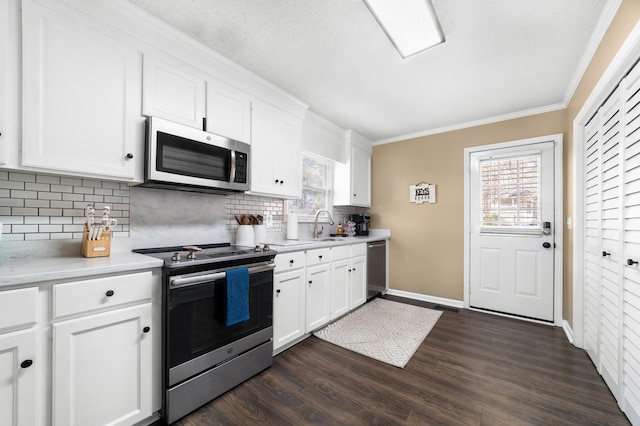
500	57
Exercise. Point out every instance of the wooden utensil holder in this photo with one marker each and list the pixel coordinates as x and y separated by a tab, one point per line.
96	248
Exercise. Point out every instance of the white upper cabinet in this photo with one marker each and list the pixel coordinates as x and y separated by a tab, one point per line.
173	91
4	77
9	82
352	179
228	111
276	150
322	137
81	96
180	93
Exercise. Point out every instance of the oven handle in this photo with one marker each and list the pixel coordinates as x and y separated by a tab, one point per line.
187	281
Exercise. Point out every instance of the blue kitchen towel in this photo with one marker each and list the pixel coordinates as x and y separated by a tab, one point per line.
237	296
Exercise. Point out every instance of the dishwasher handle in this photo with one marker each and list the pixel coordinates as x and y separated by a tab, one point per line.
376	243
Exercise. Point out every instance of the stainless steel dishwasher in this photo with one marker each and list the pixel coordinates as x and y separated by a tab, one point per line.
376	268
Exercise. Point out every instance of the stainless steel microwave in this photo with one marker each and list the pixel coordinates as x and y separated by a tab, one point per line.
183	158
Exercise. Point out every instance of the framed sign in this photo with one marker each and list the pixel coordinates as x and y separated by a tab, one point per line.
422	193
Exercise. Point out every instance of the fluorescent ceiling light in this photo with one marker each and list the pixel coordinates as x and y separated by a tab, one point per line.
411	25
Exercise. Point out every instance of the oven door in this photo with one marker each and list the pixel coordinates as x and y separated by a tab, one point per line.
196	335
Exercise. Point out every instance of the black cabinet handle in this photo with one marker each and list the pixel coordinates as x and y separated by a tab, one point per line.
109	293
277	181
310	281
605	254
146	329
281	182
278	291
320	257
129	156
349	270
632	262
546	245
291	261
26	363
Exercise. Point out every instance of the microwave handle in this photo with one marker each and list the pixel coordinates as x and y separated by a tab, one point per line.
232	177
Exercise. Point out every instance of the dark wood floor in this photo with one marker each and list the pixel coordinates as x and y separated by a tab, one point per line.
472	369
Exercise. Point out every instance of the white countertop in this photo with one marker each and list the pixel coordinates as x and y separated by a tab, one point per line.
36	262
31	263
288	246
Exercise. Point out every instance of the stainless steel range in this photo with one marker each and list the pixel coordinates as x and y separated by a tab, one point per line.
209	349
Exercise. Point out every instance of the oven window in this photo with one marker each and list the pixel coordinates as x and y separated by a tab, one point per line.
196	317
190	158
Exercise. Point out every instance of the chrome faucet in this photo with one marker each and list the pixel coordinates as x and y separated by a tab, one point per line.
316	232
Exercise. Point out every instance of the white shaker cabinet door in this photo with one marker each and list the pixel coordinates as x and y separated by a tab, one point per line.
82	92
276	149
4	77
340	271
174	92
288	307
361	177
102	369
228	111
318	297
358	277
18	378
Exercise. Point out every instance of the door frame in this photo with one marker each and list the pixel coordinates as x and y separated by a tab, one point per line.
557	217
623	61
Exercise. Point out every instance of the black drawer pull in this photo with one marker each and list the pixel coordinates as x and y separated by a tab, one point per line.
146	329
110	293
26	363
632	262
604	254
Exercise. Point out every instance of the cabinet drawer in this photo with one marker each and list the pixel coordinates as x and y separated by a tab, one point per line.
340	252
18	307
88	295
318	256
358	249
289	261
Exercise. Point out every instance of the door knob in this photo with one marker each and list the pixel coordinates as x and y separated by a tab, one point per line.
604	254
546	245
632	262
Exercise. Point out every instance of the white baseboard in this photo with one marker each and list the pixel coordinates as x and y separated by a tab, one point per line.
568	331
425	298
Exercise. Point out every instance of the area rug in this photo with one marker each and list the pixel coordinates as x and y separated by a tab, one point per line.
381	329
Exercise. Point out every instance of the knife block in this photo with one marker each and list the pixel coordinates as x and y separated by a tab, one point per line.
96	248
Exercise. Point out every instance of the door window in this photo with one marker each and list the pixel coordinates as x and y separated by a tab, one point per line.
511	194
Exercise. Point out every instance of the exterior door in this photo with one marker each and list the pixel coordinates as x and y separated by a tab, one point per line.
512	231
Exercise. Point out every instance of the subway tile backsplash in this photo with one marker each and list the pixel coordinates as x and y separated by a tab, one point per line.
45	207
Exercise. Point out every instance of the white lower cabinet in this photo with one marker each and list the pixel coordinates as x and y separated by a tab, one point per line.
315	287
102	368
288	307
18	366
340	273
358	275
19	362
81	353
318	291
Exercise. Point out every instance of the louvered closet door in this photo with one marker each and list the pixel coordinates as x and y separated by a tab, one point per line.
603	239
593	250
630	398
610	236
